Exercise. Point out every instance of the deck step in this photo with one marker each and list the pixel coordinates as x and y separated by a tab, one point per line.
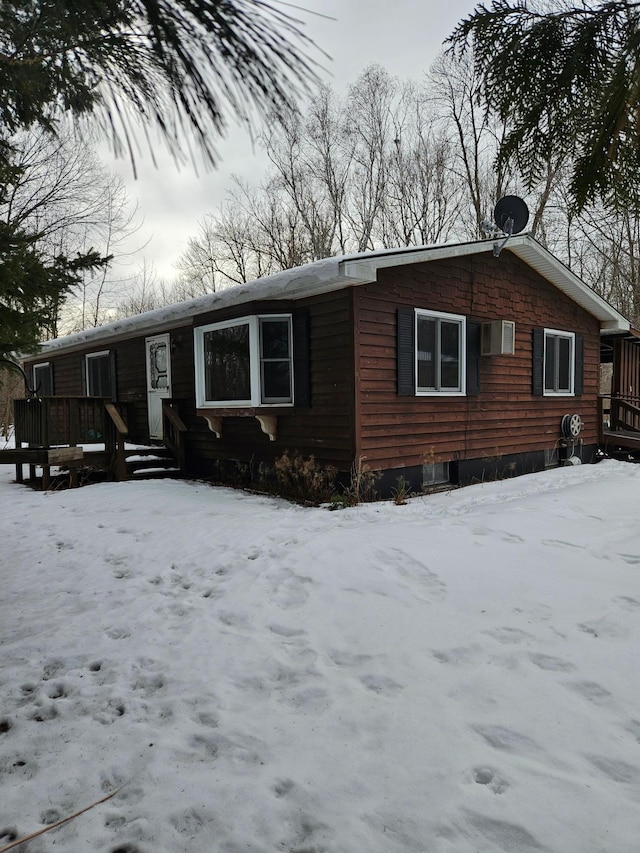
152	464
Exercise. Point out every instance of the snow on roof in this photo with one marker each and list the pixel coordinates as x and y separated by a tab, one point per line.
339	272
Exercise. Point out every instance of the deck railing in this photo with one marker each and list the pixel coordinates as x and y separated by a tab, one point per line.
625	414
174	431
43	422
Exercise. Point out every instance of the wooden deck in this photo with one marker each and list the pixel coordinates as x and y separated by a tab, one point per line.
620	440
70	458
86	434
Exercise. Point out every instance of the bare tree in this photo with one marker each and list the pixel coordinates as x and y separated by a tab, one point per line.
397	164
61	192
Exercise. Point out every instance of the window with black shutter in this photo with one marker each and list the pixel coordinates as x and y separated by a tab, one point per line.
557	368
431	353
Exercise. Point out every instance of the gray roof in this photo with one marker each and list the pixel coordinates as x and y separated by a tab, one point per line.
335	274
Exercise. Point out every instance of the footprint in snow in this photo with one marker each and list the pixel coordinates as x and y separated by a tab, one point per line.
287	633
114	820
116	559
58	690
590	690
633	727
630	559
191	821
283	787
408	567
618	771
381	684
554	543
553	664
502	834
309	700
508	636
489	778
148	684
458	656
114	710
506	740
50	816
233	620
44	713
118	633
626	602
52	668
601	628
343	657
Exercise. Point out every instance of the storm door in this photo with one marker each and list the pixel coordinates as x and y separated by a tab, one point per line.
158	380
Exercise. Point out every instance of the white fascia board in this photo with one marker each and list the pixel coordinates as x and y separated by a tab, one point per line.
364	269
540	259
524	246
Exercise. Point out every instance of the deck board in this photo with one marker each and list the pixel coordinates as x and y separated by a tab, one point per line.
621	438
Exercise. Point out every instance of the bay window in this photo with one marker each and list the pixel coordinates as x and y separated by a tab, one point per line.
244	362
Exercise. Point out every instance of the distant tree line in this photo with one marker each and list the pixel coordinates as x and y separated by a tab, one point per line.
402	163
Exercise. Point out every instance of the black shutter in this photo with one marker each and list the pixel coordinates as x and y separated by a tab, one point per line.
578	384
113	376
473	358
406	352
537	375
301	359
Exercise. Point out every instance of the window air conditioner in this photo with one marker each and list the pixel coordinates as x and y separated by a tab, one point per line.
499	338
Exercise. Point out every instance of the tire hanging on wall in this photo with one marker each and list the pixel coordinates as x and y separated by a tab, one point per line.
571	426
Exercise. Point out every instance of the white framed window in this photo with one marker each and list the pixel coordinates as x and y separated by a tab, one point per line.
99	375
559	362
440	353
245	362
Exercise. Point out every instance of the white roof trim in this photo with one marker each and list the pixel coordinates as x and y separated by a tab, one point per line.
337	273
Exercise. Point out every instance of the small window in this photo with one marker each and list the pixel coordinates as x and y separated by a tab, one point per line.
245	362
99	374
435	474
440	353
559	362
43	379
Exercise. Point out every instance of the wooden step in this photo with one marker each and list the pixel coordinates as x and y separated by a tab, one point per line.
152	464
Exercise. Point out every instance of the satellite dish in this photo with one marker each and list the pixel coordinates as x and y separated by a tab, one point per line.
511	214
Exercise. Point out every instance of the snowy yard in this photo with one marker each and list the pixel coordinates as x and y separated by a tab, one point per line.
459	675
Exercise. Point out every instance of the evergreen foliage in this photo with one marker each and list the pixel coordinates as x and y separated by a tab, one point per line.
565	78
32	287
177	65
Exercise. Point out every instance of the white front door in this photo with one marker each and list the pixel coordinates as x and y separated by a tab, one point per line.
158	380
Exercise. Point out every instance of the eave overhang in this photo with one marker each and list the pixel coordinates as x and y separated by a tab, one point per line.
332	274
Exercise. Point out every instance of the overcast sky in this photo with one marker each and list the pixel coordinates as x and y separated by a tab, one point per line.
404	36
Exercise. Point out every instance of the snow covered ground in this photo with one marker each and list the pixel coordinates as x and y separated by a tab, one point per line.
459	675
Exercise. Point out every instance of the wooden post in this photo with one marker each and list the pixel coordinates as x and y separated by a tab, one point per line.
117	424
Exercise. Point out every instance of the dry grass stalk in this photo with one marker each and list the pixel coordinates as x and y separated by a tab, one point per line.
27	838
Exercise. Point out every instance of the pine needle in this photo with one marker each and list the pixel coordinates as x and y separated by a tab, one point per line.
27	838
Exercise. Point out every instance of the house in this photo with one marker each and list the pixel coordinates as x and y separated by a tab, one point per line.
443	364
